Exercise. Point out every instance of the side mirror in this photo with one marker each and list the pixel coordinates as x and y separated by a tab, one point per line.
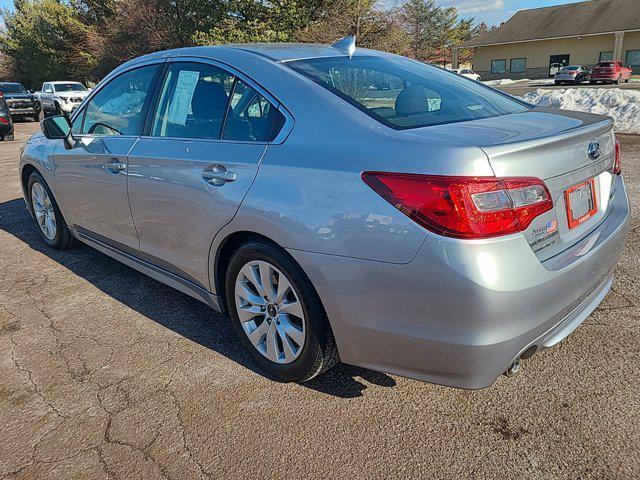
58	127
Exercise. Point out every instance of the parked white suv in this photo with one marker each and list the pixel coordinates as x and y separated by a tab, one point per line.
61	98
467	72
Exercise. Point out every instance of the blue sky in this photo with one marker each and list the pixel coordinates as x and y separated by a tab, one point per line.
491	11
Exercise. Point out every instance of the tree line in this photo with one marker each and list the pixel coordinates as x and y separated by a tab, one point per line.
85	39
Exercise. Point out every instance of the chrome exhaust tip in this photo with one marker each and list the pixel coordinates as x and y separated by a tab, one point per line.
513	368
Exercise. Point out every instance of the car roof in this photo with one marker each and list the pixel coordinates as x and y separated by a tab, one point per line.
63	81
284	52
277	52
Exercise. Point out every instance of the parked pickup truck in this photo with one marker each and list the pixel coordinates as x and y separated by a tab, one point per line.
610	72
61	98
20	102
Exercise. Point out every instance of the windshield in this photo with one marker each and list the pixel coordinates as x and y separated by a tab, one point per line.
69	87
12	88
403	93
606	65
570	69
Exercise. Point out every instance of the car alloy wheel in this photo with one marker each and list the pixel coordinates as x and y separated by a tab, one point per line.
43	210
270	312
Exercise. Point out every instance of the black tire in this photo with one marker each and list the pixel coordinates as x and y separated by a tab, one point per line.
617	80
319	352
36	117
63	239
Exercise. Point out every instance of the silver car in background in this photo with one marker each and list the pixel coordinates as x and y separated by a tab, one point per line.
341	204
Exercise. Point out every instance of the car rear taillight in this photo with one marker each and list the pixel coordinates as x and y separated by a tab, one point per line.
4	121
617	164
464	207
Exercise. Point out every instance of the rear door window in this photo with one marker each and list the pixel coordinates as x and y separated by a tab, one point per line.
203	101
193	101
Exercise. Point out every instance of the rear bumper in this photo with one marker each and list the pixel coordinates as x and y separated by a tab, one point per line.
461	311
602	76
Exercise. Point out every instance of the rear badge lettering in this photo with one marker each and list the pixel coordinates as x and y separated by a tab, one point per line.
545	236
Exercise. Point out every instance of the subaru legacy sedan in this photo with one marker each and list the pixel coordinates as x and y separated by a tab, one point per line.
342	205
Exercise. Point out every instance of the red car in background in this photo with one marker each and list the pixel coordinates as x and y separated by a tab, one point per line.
613	72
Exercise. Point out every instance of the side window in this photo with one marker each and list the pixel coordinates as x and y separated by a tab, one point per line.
251	117
193	101
117	108
47	88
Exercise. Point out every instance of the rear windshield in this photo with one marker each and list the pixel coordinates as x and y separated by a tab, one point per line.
606	65
69	87
570	69
403	93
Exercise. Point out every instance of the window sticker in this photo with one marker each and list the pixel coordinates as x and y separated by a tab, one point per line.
182	96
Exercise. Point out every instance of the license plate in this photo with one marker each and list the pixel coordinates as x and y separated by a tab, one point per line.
581	202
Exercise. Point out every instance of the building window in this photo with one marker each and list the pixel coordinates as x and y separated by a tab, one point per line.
498	66
633	58
606	57
518	65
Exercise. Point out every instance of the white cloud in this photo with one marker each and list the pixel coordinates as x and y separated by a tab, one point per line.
474	6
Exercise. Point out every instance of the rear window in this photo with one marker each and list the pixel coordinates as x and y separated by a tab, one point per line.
606	65
403	93
571	68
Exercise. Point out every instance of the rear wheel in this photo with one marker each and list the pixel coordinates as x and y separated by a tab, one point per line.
52	225
277	314
617	80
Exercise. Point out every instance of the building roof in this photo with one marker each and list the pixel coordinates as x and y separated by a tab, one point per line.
572	20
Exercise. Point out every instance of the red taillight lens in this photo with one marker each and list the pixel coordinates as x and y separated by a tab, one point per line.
617	165
464	207
4	121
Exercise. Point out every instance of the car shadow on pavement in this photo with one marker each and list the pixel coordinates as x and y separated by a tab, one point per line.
169	307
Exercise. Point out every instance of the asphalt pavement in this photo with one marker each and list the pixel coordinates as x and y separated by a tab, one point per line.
109	374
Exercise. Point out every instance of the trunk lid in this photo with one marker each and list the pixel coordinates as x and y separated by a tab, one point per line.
552	145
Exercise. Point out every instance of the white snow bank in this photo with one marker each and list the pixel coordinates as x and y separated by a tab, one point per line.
504	81
622	105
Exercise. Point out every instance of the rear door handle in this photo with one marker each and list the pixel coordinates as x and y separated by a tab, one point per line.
218	175
115	166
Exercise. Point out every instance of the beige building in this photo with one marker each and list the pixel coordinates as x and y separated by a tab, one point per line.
535	43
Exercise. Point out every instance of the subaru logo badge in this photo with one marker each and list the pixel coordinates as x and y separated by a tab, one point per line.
594	150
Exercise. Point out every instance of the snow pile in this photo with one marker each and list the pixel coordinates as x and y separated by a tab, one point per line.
504	81
622	105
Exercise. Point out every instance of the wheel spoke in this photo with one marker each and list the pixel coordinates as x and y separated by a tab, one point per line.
266	279
289	349
291	330
254	277
292	308
255	336
283	289
272	344
244	292
249	312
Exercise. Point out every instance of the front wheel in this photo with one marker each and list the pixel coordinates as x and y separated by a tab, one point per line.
53	227
277	314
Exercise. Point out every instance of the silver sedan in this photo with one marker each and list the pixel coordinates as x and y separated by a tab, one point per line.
341	204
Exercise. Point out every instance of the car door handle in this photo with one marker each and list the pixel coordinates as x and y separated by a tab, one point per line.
115	166
218	175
